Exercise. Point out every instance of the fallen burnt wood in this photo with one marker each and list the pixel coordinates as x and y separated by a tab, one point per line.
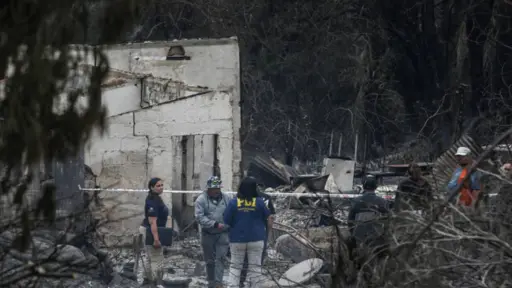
313	182
322	184
271	172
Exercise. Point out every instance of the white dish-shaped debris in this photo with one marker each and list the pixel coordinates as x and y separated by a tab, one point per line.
301	272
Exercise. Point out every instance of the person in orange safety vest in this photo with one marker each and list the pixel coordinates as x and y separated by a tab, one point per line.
469	193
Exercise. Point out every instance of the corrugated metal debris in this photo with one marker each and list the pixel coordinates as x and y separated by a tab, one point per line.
271	172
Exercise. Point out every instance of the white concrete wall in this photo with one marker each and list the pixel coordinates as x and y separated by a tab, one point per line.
138	145
214	65
143	144
119	100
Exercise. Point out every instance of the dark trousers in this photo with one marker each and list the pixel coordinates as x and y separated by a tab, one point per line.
243	273
215	248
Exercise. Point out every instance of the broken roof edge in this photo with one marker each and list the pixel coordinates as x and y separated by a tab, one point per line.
117	78
117	83
166	81
121	73
149	78
112	73
111	82
184	42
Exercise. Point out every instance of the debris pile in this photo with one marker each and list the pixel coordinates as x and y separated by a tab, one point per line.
53	253
306	227
294	239
272	172
312	211
66	250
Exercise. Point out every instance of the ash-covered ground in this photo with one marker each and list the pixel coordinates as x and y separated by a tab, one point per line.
184	259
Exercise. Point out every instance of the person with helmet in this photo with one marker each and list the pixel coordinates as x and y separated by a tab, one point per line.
414	193
469	193
367	232
209	213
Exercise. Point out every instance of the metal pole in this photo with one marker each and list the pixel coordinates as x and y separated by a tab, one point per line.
330	144
339	145
356	144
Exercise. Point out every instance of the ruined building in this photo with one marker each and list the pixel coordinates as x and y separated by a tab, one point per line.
174	113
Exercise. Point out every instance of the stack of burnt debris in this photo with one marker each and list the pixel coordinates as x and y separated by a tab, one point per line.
336	178
270	172
307	225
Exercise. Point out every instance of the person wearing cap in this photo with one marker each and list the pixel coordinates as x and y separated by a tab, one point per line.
469	192
414	193
366	231
209	213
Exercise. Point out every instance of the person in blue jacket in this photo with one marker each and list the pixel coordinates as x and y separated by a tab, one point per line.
270	205
156	214
247	215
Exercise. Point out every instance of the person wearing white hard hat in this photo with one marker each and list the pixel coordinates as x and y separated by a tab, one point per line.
469	194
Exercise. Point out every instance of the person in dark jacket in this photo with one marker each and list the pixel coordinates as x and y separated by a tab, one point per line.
156	214
247	217
414	193
270	206
366	230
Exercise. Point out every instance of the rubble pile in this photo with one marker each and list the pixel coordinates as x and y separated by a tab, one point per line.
184	258
183	263
308	227
63	254
337	176
53	253
96	265
311	212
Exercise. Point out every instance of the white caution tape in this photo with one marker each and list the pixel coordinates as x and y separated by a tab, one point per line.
278	194
282	194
